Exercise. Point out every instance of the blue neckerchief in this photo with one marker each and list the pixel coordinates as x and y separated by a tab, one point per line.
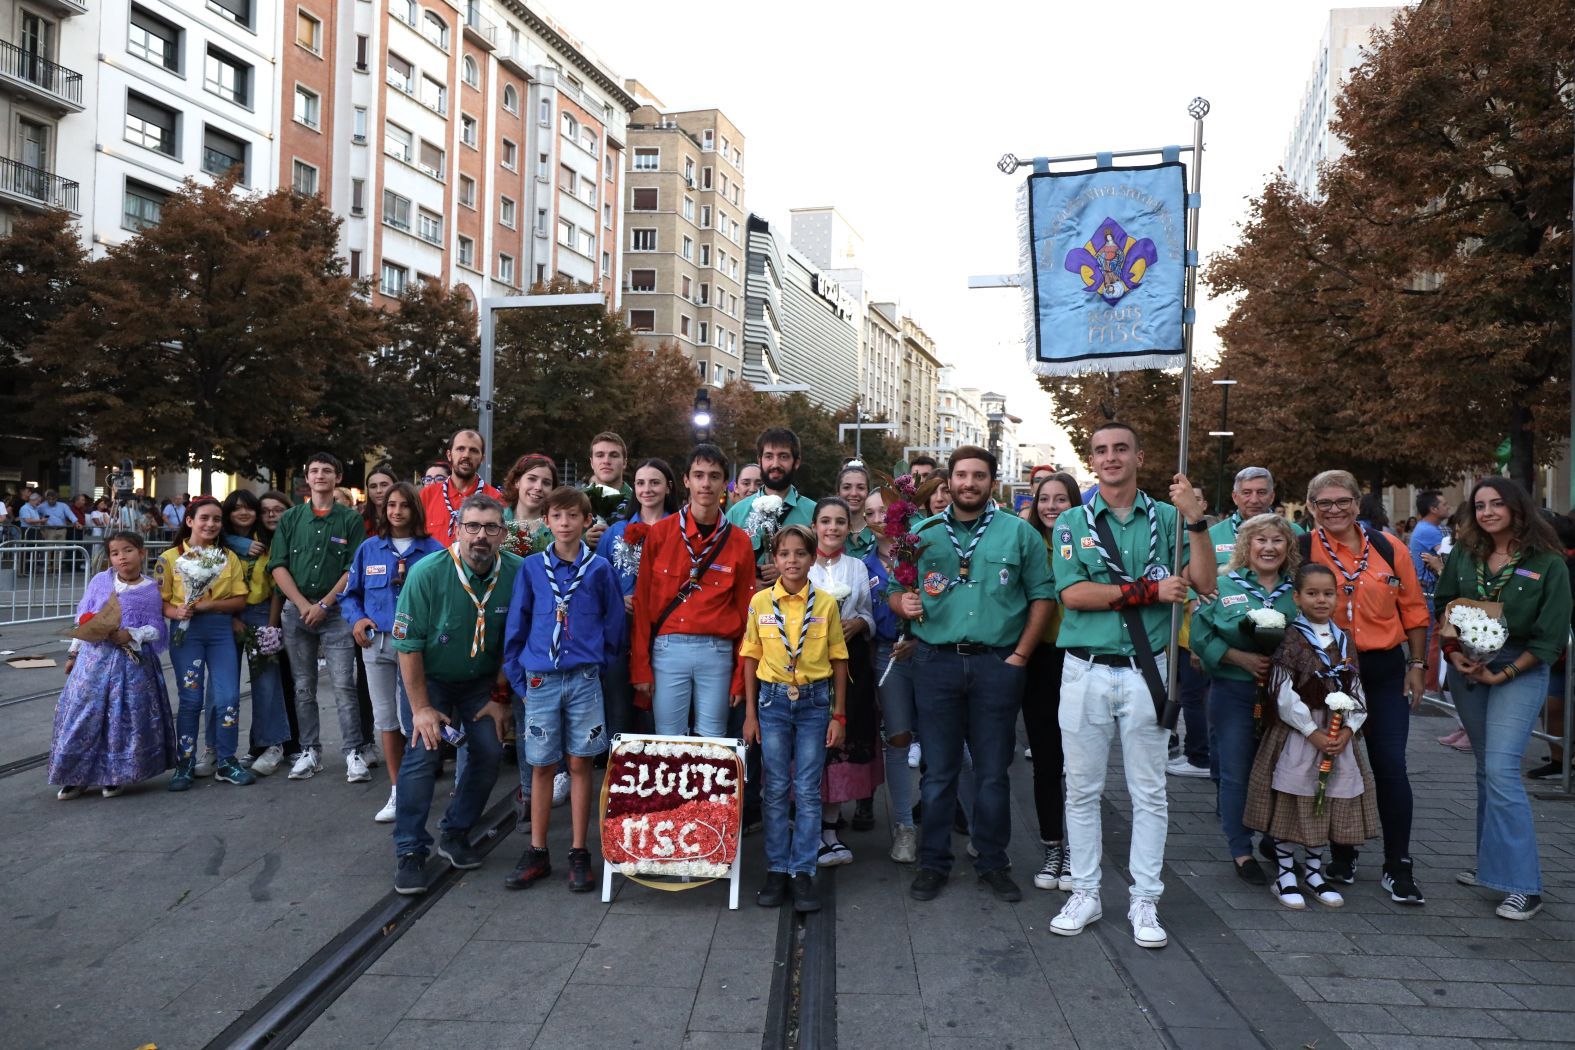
560	601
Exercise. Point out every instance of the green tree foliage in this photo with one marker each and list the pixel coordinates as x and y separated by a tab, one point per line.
431	367
42	260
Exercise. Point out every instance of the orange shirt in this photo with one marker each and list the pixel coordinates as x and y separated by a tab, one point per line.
438	501
1386	599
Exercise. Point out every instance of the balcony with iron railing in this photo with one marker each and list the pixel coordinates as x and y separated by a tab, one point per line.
39	79
36	188
65	7
478	30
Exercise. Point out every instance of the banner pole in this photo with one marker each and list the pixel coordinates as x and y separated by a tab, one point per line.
1198	108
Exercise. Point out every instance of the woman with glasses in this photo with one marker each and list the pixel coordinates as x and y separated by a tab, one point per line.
437	473
1379	603
369	601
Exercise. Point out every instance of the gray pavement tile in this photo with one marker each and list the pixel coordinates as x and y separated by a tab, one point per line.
1364	990
722	1041
1297	941
963	915
645	951
1317	965
1522	1044
987	994
1479	994
1426	1042
1365	1018
1101	1008
485	977
1462	1023
645	1017
412	1034
1554	1026
1546	972
1214	1038
544	912
734	990
364	1015
1497	970
874	956
1555	951
882	1022
425	949
1541	996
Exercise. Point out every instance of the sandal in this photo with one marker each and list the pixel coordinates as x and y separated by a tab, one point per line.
1287	891
1322	889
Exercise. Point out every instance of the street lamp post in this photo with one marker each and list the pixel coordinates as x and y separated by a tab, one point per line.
1224	434
702	414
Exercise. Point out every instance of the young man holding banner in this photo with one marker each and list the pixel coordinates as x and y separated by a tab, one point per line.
1115	574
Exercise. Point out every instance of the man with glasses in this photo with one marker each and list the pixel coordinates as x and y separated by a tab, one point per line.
441	501
437	473
449	634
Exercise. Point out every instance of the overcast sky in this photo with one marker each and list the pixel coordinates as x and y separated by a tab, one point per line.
897	113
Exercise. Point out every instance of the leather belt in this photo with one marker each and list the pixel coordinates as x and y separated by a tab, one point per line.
1104	659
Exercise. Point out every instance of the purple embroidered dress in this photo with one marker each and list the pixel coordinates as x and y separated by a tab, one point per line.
112	723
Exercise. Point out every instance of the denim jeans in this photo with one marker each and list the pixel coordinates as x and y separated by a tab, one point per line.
209	645
460	701
270	724
691	670
333	640
563	715
1387	727
793	756
897	716
973	700
1193	685
1233	741
1499	720
1097	703
384	684
1041	719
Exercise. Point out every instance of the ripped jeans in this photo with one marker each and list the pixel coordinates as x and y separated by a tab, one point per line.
564	713
209	646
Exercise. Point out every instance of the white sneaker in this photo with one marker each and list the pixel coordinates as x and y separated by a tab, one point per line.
386	814
913	755
265	763
205	764
1080	909
1146	930
355	769
560	789
307	765
372	755
1180	767
904	844
245	759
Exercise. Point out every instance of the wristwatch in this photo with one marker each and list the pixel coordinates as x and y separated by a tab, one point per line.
1201	525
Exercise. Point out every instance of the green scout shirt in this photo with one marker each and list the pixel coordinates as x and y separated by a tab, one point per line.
1216	626
1006	572
1222	534
1536	599
316	550
438	619
800	511
861	543
1077	561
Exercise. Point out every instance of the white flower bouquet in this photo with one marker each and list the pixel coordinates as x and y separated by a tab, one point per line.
1480	628
837	592
1271	619
1340	705
198	568
765	518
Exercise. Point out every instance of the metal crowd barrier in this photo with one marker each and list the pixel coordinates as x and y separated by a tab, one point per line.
45	579
1563	737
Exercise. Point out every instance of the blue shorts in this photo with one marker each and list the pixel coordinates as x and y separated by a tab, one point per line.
563	712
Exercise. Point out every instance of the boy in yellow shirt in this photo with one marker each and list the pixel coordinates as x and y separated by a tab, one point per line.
795	685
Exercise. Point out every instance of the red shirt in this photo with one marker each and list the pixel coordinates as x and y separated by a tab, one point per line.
719	608
436	501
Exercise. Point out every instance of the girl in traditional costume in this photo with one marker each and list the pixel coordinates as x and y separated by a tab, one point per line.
113	725
1292	796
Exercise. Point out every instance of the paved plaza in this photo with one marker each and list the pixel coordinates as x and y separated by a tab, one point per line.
164	919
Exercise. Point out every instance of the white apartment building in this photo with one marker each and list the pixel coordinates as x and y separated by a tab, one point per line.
1312	143
960	418
1001	435
46	105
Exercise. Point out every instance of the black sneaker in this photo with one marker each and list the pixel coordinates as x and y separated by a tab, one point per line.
804	896
863	814
1401	886
1001	885
1250	872
410	878
775	891
1549	768
1519	906
534	866
1340	871
926	885
453	848
580	880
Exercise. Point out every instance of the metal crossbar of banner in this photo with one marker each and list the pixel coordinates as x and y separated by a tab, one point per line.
1128	305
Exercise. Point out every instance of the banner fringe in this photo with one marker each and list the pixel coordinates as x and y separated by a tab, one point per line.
1025	267
1108	364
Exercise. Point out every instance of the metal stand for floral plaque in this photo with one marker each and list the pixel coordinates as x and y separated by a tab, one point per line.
672	812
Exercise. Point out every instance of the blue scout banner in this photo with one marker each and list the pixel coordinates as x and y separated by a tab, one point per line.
1104	254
